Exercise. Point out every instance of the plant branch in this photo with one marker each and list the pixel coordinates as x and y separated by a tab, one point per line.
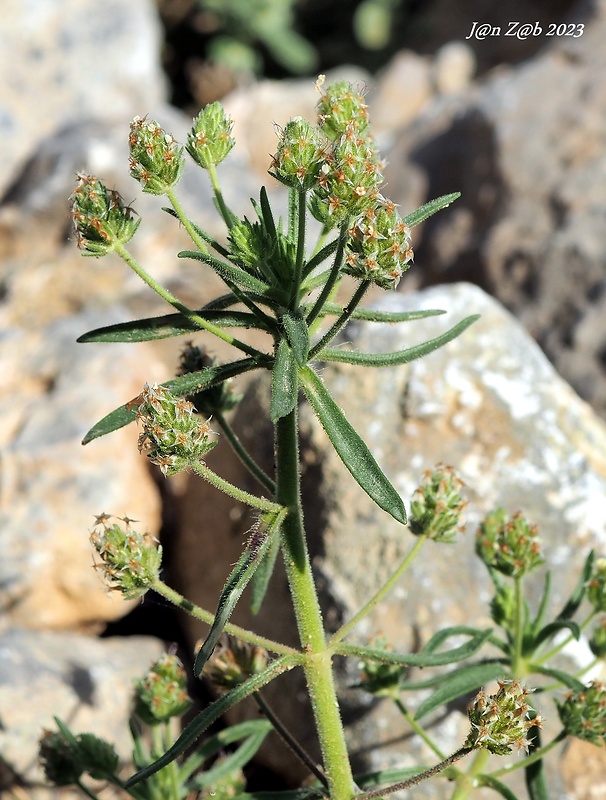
342	320
244	456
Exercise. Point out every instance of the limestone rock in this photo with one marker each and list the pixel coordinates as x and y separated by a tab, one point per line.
88	683
69	61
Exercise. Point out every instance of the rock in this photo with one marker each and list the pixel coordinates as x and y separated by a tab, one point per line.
70	62
453	68
491	405
53	391
528	159
88	683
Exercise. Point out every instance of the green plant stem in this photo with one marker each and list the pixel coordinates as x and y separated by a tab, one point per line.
227	215
342	320
417	728
260	503
380	594
536	755
130	260
289	739
301	219
466	781
416	779
208	617
243	454
334	274
317	658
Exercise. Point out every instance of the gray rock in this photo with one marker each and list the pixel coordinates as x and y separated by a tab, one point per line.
64	62
88	683
525	147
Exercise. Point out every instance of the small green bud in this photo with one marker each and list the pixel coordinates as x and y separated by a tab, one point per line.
596	585
437	507
101	220
130	561
156	159
583	714
162	693
597	643
511	547
379	246
98	757
219	398
210	141
233	663
172	435
382	680
267	255
59	759
501	721
299	156
341	106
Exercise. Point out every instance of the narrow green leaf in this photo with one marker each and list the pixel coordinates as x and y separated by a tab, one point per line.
298	336
213	712
350	448
456	630
233	762
260	580
248	562
400	356
267	215
201	233
284	383
554	627
182	386
500	788
217	743
371	315
460	682
576	598
563	677
535	773
538	620
151	328
227	271
319	257
416	659
430	208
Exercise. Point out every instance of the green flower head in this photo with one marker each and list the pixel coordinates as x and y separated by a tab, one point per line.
210	141
162	692
510	546
156	159
436	510
101	220
583	713
299	156
501	721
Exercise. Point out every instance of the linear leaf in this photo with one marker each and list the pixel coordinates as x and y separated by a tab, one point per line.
371	315
298	336
252	728
228	271
201	233
284	382
456	630
151	328
430	208
319	257
563	677
260	580
182	386
235	761
578	593
416	659
554	627
534	774
350	448
400	356
248	562
213	712
460	682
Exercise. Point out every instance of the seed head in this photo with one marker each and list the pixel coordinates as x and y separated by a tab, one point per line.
596	585
172	436
101	220
437	507
162	692
210	141
501	721
156	159
340	107
233	663
511	547
583	713
130	562
299	156
382	680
